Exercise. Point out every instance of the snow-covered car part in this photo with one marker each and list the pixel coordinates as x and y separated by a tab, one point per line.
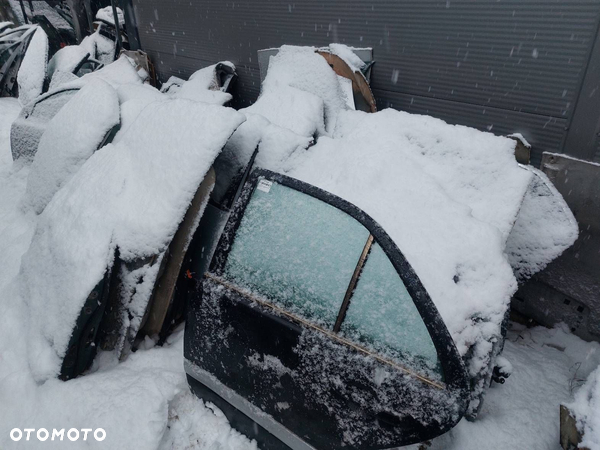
108	31
60	32
87	334
86	123
13	47
145	304
209	84
72	59
323	341
362	96
163	312
27	130
128	197
32	72
106	15
301	92
425	177
535	241
95	51
142	64
238	155
582	431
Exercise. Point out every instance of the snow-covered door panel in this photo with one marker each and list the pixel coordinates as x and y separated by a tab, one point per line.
311	322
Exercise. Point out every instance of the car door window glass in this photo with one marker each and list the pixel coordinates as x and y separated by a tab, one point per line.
383	316
47	108
296	250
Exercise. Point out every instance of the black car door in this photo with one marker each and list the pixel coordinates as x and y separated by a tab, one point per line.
312	323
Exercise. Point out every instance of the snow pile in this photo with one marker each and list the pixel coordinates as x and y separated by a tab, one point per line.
66	60
291	108
194	425
348	55
587	411
131	195
27	130
204	86
32	72
474	168
106	14
296	69
71	137
534	240
134	98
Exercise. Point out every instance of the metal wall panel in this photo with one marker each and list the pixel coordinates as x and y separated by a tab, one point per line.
583	137
522	61
568	290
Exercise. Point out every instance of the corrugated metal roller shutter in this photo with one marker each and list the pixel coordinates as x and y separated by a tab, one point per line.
506	66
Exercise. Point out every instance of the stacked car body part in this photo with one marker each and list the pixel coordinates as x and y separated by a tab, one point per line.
344	270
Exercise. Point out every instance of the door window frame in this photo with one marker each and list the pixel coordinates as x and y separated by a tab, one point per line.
454	372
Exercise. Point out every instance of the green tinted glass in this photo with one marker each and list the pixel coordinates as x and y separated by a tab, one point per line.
383	316
297	251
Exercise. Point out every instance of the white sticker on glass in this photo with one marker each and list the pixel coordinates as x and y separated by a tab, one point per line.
264	185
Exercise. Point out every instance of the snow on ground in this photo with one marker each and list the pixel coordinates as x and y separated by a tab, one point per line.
587	411
523	413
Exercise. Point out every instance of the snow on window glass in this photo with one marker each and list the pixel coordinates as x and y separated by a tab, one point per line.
296	250
383	316
48	108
